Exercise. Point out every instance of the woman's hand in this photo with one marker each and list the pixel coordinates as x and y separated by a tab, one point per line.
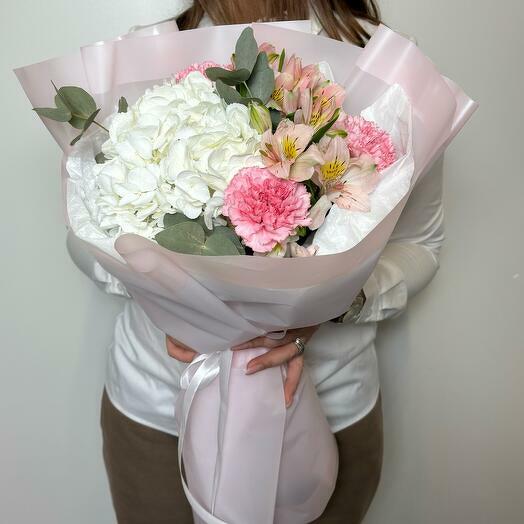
281	351
179	351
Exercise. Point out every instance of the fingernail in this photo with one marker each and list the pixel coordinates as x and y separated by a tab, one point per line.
289	401
254	369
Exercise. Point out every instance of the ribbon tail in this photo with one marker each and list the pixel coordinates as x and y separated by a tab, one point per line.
207	369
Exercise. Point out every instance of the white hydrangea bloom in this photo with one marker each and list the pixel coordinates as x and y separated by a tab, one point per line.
175	148
128	198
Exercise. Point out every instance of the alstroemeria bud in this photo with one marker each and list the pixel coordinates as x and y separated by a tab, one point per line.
259	117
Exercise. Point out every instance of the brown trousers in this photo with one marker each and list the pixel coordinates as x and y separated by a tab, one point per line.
142	468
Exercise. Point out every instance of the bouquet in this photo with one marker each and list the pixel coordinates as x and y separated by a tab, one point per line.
299	150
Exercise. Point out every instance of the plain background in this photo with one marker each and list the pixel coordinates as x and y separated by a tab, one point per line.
452	367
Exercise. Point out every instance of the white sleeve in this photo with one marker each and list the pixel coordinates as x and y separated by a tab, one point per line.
411	258
87	263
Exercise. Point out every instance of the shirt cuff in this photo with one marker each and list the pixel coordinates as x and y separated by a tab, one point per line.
386	293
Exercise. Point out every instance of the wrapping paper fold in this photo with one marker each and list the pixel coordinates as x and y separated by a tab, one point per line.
247	458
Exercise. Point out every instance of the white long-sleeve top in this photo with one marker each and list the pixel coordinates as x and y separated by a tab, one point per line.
142	380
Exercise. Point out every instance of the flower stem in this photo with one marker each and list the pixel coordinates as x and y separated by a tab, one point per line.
100	125
248	90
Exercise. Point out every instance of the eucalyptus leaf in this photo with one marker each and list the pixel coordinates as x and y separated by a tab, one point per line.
228	233
187	237
262	84
230	95
200	220
123	106
100	158
90	120
261	64
60	103
219	245
227	76
54	113
246	50
77	122
172	219
76	139
243	90
78	101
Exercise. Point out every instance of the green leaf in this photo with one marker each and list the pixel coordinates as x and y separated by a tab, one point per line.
186	237
246	50
78	101
230	78
200	220
77	122
123	106
313	190
219	245
60	103
302	231
281	60
261	64
230	95
230	234
243	90
172	219
262	84
100	158
276	118
54	113
324	129
90	120
76	139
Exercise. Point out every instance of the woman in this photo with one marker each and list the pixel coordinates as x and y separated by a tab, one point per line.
140	444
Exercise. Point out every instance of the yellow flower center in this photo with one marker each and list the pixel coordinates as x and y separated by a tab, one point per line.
319	117
325	102
289	147
278	95
333	170
315	118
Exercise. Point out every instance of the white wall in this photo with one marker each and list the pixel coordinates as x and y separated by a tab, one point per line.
452	368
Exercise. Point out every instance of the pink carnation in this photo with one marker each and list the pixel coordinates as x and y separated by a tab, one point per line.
367	138
265	209
201	67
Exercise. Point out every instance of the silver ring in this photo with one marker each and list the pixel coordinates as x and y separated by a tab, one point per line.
301	346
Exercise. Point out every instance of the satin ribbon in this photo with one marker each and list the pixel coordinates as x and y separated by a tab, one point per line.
198	375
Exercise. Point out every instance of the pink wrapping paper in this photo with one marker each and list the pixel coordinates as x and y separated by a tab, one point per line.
247	458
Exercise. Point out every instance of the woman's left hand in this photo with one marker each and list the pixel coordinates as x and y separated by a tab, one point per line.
282	351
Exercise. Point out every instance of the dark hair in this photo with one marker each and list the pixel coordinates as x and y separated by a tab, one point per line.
341	19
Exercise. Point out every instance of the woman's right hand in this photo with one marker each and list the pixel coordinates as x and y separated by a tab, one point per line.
179	351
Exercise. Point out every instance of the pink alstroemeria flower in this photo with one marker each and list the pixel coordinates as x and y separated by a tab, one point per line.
353	189
292	81
345	181
335	160
272	55
285	95
318	107
295	250
286	153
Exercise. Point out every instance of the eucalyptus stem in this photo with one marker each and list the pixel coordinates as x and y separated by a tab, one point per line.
248	90
100	125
